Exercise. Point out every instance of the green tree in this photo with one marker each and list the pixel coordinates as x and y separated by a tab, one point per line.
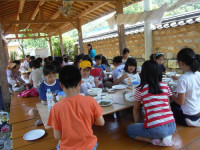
13	55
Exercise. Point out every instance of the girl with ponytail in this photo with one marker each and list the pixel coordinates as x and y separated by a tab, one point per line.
186	107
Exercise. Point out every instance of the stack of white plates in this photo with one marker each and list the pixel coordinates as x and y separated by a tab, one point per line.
119	87
94	91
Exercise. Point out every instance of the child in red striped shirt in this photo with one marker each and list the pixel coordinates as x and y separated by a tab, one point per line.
159	124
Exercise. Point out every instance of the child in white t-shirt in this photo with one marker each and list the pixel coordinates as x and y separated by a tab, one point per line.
186	107
35	77
119	67
88	81
129	74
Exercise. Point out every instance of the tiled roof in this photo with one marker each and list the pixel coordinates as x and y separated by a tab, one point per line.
168	22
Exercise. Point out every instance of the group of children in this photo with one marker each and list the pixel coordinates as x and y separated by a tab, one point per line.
73	117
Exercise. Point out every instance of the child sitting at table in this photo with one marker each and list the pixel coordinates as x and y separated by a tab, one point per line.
99	64
73	117
41	62
51	82
198	59
186	107
159	124
88	81
119	67
106	63
159	58
125	55
35	77
129	74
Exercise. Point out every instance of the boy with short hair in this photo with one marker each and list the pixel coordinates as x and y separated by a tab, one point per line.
88	81
119	67
35	77
26	62
72	118
51	82
98	61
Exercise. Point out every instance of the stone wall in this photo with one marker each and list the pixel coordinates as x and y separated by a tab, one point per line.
169	41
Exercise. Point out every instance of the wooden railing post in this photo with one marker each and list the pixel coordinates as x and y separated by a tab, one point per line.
3	76
80	36
121	32
148	32
50	46
61	44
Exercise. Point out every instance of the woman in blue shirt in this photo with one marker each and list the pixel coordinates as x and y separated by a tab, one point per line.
91	51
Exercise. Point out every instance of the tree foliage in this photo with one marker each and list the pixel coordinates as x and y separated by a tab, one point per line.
34	43
13	55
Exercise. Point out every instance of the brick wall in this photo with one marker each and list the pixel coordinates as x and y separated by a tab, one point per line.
169	41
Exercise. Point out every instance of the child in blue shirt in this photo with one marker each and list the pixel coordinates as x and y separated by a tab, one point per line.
99	64
51	82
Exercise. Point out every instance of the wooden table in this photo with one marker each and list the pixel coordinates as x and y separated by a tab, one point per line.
119	103
19	100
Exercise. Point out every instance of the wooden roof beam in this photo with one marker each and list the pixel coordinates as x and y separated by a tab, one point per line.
41	2
71	0
21	7
30	32
27	37
92	8
37	21
56	15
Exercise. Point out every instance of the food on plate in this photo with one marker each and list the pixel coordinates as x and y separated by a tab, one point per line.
104	103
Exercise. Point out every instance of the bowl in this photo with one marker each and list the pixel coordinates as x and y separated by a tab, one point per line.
129	97
102	94
94	91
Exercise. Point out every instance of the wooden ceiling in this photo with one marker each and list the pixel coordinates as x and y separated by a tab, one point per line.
43	16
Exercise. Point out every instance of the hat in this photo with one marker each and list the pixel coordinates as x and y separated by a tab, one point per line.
11	65
85	64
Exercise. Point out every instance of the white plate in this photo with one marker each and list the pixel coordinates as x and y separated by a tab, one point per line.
111	90
97	98
129	97
119	87
94	91
102	94
34	134
107	100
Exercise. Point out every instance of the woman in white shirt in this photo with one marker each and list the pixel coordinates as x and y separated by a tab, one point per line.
129	74
13	74
186	107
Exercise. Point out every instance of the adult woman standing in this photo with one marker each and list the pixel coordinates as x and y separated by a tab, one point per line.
91	51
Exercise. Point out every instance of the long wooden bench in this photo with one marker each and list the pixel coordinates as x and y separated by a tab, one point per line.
111	136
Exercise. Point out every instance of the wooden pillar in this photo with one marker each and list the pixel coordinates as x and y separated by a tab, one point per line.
148	32
3	76
50	46
121	32
80	36
61	44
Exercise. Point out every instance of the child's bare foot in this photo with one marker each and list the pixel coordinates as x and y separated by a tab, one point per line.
167	141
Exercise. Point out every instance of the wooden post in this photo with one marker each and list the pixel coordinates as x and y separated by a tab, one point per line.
3	76
50	46
61	44
80	36
121	32
148	32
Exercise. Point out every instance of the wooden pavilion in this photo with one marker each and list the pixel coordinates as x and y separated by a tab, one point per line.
47	18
